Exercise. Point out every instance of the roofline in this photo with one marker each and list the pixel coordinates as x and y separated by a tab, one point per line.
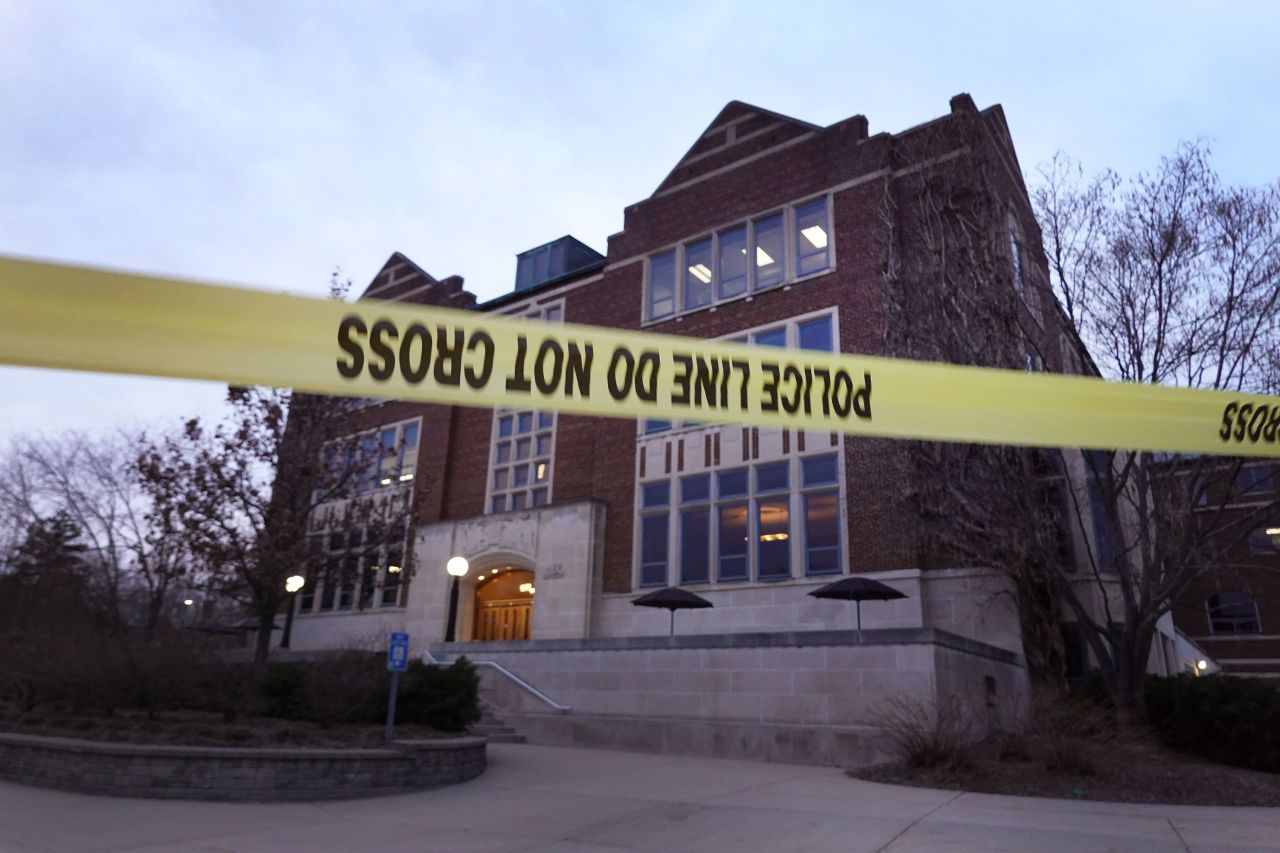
517	295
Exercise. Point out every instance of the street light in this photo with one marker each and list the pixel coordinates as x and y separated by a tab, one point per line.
291	585
457	567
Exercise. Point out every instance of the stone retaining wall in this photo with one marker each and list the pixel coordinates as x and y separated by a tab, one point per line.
217	773
803	696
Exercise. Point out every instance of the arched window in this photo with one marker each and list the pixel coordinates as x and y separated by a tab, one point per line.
1233	613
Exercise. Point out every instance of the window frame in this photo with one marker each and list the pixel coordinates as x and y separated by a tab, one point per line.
717	502
1235	621
790	262
533	493
350	560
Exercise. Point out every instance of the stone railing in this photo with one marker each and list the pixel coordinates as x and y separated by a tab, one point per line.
218	773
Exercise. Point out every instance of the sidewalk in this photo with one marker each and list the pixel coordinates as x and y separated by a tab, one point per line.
535	798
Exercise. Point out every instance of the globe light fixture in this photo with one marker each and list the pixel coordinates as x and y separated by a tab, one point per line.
457	567
292	584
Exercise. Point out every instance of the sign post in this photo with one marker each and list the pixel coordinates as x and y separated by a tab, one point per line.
397	662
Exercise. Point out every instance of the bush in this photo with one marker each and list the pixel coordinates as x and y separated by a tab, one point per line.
1070	725
445	698
926	734
1224	718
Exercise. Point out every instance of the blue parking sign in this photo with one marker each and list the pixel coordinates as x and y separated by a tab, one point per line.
398	652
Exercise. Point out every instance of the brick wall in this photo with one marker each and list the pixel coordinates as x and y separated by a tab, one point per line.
256	775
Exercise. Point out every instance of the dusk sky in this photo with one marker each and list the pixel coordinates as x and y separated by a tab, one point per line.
265	144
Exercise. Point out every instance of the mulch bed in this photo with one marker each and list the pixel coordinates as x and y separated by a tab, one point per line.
1141	772
199	728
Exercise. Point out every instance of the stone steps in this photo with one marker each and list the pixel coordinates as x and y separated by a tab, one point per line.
494	728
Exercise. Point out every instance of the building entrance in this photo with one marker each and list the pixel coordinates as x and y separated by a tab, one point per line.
504	605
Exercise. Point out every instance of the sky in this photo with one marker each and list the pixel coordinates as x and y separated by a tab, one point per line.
268	144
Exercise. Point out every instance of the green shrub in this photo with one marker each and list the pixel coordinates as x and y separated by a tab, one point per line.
1221	717
443	697
282	688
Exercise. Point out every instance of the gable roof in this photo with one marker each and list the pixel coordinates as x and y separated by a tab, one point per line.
739	130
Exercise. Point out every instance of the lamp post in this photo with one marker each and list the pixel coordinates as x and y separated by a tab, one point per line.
457	568
291	585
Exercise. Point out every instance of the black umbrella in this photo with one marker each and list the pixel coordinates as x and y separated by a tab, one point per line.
673	598
857	589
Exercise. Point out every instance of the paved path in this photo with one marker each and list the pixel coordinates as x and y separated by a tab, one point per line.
536	798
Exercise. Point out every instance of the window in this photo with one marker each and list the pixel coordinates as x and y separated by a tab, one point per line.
1021	274
654	498
521	458
771	252
695	529
773	521
358	569
1262	542
741	524
662	285
1015	256
821	499
811	237
731	266
1254	480
811	333
746	257
1233	613
697	274
385	457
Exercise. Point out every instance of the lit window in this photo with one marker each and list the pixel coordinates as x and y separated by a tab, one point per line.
771	253
697	274
738	524
1233	613
522	455
748	256
811	237
821	498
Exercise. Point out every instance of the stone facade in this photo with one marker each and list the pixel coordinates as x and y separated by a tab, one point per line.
802	696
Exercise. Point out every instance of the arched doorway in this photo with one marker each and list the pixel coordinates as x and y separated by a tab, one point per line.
504	605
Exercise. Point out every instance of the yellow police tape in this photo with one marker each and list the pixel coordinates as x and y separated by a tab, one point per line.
85	319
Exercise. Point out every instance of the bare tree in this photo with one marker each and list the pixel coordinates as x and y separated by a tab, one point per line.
1168	279
129	568
1171	279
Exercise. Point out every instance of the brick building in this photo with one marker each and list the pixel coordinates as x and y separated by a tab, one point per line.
771	231
1234	612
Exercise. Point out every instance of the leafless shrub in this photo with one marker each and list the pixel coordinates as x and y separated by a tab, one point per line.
1071	728
925	733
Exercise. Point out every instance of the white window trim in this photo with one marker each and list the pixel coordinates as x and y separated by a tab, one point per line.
790	260
383	555
796	530
538	311
792	325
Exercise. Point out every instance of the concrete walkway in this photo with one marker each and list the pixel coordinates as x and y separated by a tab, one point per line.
536	798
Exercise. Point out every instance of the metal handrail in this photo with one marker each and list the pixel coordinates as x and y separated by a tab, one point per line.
512	677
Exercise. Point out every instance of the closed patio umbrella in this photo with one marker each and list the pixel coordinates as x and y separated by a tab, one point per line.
857	589
672	598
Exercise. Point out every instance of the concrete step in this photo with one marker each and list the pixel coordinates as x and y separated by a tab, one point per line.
493	727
